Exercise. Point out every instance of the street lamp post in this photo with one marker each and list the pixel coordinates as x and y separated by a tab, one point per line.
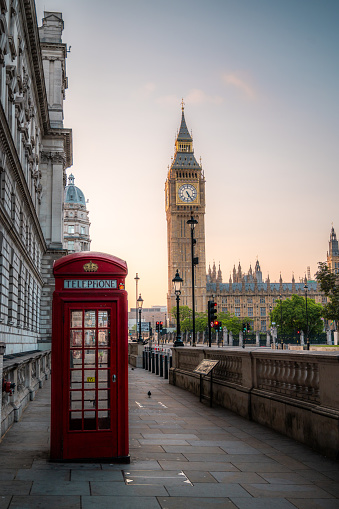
136	302
307	338
177	284
281	323
194	261
140	303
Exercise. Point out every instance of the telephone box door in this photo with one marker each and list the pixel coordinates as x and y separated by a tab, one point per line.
90	359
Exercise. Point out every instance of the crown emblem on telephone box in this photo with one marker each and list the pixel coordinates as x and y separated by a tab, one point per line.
90	267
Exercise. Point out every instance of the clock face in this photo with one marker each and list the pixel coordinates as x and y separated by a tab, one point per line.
187	193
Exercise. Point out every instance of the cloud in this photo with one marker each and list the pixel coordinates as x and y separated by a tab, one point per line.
194	96
238	82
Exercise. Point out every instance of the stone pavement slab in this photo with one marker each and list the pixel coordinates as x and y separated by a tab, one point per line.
183	455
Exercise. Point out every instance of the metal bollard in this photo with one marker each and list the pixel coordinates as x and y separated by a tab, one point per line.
143	359
166	366
157	355
150	360
161	362
153	362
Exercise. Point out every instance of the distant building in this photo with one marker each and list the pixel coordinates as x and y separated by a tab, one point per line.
76	220
152	315
246	295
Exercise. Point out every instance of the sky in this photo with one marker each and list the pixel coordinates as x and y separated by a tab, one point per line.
260	82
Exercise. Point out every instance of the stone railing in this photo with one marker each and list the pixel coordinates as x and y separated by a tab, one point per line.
28	372
295	393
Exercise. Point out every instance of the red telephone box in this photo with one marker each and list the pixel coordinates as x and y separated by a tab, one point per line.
89	413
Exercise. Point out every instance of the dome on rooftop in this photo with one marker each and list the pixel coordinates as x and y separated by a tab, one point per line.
73	194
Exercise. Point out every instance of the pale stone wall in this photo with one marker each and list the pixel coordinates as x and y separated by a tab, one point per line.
294	393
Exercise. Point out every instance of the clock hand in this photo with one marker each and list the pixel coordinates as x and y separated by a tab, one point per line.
188	194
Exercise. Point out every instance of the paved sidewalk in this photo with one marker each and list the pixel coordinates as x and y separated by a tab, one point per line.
183	455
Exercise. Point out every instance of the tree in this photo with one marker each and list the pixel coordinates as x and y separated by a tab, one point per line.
329	284
290	316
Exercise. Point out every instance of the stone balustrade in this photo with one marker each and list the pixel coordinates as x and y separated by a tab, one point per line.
28	372
295	393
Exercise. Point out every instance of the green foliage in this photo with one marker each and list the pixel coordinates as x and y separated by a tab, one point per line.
290	316
232	323
330	286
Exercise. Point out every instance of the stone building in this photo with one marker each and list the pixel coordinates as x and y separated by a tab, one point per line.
333	253
247	295
76	220
35	150
185	197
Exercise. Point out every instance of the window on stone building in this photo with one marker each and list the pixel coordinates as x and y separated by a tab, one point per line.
237	300
324	300
262	300
263	325
262	311
249	300
83	230
237	311
224	310
249	311
70	245
70	228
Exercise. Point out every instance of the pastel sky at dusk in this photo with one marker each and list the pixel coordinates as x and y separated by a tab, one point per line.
260	81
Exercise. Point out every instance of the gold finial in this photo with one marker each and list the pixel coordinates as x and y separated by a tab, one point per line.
182	104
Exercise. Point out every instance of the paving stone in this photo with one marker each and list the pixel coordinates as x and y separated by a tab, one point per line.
260	467
122	502
196	503
4	501
315	503
151	477
192	449
97	475
15	487
121	489
284	478
43	502
196	476
238	477
286	490
208	490
64	488
262	503
43	475
197	465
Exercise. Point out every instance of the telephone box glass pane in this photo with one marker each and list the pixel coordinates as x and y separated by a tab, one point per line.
104	420
75	421
103	337
89	358
103	399
76	379
89	400
76	358
90	319
103	317
90	337
89	420
76	338
103	358
76	319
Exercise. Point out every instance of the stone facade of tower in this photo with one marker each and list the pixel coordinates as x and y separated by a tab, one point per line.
333	253
76	220
185	197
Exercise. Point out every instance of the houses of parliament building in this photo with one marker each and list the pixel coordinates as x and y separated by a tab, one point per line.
245	295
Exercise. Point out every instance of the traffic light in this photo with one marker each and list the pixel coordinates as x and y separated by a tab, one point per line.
244	327
248	327
160	326
212	312
157	326
220	327
216	325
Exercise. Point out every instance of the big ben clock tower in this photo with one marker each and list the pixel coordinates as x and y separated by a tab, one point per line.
185	197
